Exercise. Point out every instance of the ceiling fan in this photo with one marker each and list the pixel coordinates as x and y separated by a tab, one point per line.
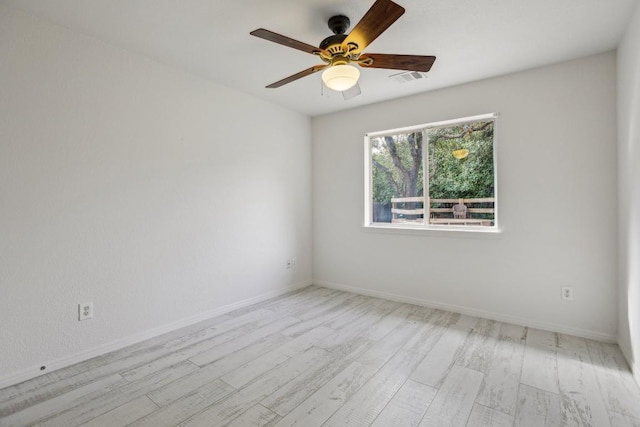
341	50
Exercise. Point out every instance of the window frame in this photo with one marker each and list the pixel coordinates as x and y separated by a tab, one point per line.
368	175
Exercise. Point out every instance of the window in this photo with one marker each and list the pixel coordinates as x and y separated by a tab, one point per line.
452	163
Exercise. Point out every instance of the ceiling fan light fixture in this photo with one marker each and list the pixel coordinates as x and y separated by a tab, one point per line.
340	77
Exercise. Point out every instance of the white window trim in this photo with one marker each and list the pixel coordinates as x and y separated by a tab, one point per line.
427	228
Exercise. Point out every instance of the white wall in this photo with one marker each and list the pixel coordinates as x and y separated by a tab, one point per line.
558	203
629	192
159	196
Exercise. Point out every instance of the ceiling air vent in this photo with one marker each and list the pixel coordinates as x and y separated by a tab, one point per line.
408	76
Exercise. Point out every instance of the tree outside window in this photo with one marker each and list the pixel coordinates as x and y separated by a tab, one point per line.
460	162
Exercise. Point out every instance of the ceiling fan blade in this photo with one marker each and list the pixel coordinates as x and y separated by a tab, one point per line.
398	62
378	18
285	41
297	76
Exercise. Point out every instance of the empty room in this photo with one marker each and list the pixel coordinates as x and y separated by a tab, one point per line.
319	213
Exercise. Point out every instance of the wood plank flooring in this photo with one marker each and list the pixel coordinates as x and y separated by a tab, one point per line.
320	357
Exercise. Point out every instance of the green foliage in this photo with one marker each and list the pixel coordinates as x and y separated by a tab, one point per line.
382	189
397	165
471	177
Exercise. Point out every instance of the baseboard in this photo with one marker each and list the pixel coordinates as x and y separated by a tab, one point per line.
522	321
81	356
635	368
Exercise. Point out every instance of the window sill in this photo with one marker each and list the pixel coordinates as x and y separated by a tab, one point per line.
435	231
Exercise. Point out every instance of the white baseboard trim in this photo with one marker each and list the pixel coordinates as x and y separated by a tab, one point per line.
63	362
593	335
635	368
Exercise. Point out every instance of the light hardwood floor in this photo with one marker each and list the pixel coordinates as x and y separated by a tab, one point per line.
320	357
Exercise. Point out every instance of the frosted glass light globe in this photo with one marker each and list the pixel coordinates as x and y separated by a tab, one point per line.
340	77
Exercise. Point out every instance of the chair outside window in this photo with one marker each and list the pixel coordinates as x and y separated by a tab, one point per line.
459	211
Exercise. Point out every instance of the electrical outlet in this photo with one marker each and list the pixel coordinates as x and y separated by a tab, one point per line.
293	262
288	264
567	293
85	311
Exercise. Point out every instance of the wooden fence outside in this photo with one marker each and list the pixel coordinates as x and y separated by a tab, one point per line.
405	211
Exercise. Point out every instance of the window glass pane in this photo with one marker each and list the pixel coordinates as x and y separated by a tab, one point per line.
461	174
397	178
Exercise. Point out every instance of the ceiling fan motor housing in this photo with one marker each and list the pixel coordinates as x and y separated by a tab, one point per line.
338	25
333	44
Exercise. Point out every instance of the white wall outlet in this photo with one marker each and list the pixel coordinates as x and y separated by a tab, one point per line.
293	262
288	264
567	293
85	311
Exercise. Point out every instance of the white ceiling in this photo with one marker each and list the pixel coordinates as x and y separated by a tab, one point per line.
472	39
